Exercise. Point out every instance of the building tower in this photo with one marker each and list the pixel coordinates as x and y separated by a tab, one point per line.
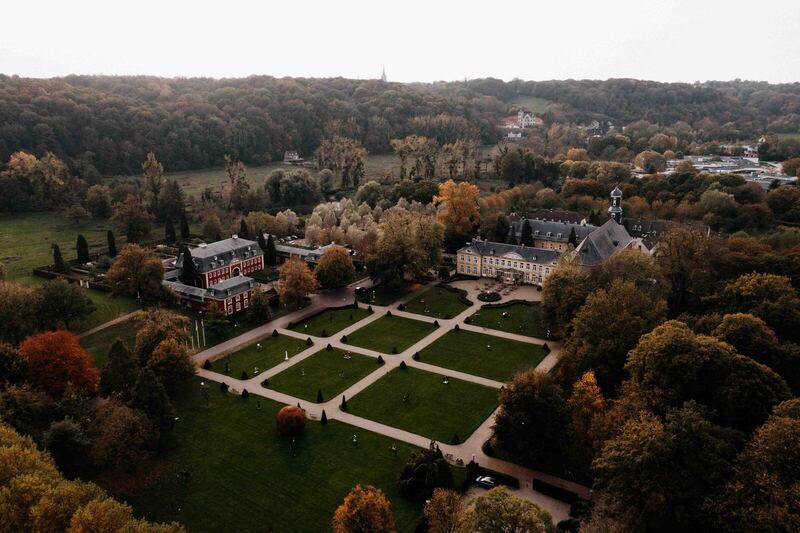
383	75
616	205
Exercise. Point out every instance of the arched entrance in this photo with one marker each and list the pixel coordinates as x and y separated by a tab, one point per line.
236	272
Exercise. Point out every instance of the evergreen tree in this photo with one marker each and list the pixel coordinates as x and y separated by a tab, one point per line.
262	242
573	238
324	418
150	397
112	244
82	247
58	261
189	273
119	373
526	239
244	233
271	255
169	231
185	233
319	396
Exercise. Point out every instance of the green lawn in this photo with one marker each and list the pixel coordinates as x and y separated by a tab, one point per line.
789	136
244	476
433	409
522	319
326	370
100	342
384	295
390	332
534	104
469	352
108	308
263	354
330	321
436	302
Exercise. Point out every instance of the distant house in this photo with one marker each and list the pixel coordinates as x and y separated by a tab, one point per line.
291	248
292	158
514	136
521	121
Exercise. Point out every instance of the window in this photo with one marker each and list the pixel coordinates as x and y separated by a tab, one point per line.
238	306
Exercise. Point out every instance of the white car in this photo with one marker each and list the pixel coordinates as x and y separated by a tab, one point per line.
486	482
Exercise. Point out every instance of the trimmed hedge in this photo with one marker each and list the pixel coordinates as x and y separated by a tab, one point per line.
553	491
489	296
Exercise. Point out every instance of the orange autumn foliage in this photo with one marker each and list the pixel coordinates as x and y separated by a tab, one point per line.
55	358
364	510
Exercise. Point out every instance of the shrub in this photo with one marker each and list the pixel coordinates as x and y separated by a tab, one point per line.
436	323
244	375
403	365
355	304
290	421
401	307
456	439
546	348
324	419
343	405
380	360
245	394
319	396
223	387
415	357
457	328
389	312
275	333
329	347
309	342
394	349
207	364
344	338
468	320
290	325
370	309
324	332
487	448
265	383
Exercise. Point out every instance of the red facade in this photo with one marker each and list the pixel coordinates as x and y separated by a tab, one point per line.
235	268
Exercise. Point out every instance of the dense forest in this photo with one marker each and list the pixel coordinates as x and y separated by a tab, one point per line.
108	124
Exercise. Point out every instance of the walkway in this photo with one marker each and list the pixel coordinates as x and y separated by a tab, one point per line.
104	325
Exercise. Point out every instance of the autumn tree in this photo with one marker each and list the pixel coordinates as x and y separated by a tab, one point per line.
295	282
585	402
345	157
132	219
499	510
153	326
259	310
13	368
76	213
423	472
408	244
417	156
447	512
138	273
565	291
651	162
119	373
171	362
684	257
55	359
18	311
335	268
458	209
153	177
121	437
364	510
69	446
98	201
61	302
636	267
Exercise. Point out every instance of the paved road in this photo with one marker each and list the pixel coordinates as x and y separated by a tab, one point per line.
470	449
104	325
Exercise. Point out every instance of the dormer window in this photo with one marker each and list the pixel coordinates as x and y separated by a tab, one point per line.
549	233
536	232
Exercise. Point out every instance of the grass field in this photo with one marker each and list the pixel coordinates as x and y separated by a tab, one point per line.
390	332
433	409
100	342
534	104
326	370
522	319
437	302
789	136
263	354
466	351
244	476
383	295
330	321
108	308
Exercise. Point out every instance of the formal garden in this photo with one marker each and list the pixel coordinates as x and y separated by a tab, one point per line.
522	318
390	334
438	302
237	465
482	355
433	405
330	321
324	375
259	356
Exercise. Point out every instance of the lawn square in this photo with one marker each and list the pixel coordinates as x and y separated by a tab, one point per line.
261	355
522	319
389	332
437	302
330	321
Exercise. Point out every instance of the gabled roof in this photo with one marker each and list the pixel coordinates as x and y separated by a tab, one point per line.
510	251
602	243
554	228
216	254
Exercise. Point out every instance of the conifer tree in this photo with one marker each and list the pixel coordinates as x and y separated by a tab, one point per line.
526	239
185	233
244	233
82	247
573	238
189	273
58	260
169	231
271	255
112	244
150	397
119	373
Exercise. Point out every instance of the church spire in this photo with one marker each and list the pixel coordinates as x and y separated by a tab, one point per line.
383	75
616	205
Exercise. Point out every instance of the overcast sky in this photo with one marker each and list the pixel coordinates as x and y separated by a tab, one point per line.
665	40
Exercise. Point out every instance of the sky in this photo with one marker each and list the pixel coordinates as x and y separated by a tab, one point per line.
663	40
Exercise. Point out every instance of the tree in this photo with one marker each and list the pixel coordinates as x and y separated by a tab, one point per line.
189	274
121	437
76	213
58	261
684	256
651	162
459	207
565	291
770	297
98	201
656	475
636	267
408	244
526	238
259	311
290	421
69	446
344	157
26	409
573	238
212	229
169	231
530	425
61	302
601	345
185	233
499	510
171	362
364	510
132	219
137	272
120	372
55	359
153	326
153	175
270	254
495	228
295	282
111	243
585	402
17	312
12	366
447	512
110	515
335	268
423	472
325	181
370	193
150	397
244	232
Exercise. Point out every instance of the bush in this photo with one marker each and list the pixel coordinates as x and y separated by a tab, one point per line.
245	394
457	328
370	309
244	375
309	342
415	357
436	323
343	405
487	448
355	304
394	349
329	347
344	338
380	360
223	387
401	307
546	348
468	320
265	383
389	312
290	325
403	365
456	439
207	364
290	421
275	333
572	525
324	418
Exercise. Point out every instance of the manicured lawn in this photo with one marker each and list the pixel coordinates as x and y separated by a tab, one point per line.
330	322
383	295
467	351
432	409
522	319
437	302
244	476
108	308
100	342
390	332
263	354
327	370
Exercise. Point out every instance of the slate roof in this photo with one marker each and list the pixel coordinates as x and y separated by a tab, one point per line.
500	249
651	231
220	291
554	228
217	254
295	250
602	243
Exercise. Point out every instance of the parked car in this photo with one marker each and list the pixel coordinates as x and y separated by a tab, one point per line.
486	482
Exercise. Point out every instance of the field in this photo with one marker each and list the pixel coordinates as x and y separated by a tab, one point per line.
108	308
244	476
326	370
100	342
482	355
436	302
330	321
432	408
789	136
383	295
390	332
522	319
533	104
260	355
